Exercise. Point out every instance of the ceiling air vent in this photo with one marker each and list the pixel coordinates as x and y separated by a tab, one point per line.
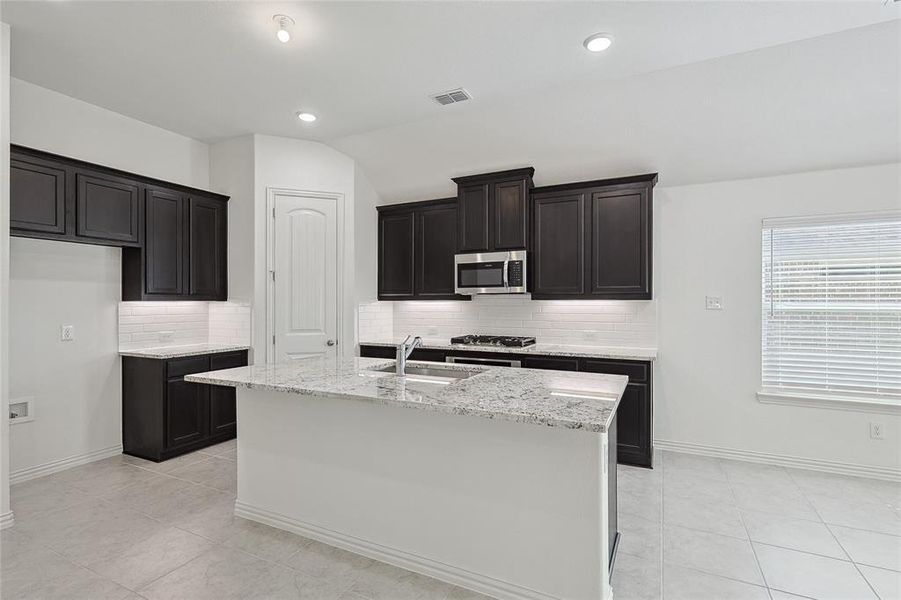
451	97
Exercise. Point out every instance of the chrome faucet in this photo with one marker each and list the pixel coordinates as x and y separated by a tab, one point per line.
404	349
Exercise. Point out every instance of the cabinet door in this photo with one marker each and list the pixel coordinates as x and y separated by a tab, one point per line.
510	214
223	413
186	413
207	250
633	421
107	208
620	244
558	245
436	241
635	415
37	196
164	250
473	218
396	255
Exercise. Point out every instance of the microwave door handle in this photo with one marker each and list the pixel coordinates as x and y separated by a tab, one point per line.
506	280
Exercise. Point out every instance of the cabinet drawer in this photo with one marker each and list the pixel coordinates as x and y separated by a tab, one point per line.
378	351
180	367
428	354
228	360
636	371
556	364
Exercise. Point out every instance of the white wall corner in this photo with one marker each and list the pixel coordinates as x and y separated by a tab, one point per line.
6	518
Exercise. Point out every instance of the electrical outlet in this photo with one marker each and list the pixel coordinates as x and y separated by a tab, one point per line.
431	330
66	333
165	336
875	431
714	302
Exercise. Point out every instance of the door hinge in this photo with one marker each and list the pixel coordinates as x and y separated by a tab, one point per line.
273	212
272	273
273	340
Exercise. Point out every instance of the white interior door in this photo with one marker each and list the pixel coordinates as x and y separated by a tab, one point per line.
305	285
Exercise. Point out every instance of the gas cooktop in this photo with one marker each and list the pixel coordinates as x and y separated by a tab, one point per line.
494	340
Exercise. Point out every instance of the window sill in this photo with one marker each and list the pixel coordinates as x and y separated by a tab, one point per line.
831	402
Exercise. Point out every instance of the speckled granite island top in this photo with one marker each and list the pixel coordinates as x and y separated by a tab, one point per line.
572	400
164	352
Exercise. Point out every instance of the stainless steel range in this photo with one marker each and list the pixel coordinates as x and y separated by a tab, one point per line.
504	341
510	341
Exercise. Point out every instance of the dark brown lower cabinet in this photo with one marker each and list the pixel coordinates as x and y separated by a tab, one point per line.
223	414
635	417
164	416
186	413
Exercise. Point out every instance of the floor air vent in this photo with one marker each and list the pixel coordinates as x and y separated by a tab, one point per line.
451	97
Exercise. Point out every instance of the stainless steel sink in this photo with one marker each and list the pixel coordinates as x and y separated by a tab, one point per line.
437	372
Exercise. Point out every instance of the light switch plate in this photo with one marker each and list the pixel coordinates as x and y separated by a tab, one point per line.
66	333
714	302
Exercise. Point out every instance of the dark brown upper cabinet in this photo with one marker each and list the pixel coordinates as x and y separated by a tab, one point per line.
58	198
416	247
395	278
436	241
37	196
185	254
593	239
558	244
173	238
207	247
107	208
164	252
493	210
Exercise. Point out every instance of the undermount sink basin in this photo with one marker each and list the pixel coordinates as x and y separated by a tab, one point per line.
437	372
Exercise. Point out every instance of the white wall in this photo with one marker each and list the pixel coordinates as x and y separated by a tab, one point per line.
708	243
232	173
51	121
366	234
307	166
77	385
5	514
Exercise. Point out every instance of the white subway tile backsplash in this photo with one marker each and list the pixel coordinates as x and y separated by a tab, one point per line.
375	320
581	322
153	324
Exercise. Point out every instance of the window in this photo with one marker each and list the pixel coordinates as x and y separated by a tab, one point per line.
832	307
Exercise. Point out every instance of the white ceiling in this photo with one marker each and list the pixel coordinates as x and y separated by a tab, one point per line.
213	70
656	100
828	102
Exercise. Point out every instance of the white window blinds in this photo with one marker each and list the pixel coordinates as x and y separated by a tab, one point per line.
832	306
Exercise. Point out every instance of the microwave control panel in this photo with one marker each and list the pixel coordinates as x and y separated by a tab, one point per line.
514	273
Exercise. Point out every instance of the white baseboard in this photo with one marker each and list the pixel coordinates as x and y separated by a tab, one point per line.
55	466
6	520
782	460
400	558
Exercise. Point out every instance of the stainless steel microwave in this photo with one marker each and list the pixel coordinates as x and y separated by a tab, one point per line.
490	273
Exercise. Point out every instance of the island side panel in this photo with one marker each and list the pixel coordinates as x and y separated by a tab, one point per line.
510	509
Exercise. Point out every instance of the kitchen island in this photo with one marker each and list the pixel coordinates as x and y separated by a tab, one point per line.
496	479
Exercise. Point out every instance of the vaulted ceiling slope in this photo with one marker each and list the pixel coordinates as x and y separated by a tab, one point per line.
828	102
698	90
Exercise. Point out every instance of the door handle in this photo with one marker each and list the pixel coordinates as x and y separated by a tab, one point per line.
330	342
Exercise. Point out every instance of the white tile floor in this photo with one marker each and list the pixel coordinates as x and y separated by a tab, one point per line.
699	528
694	528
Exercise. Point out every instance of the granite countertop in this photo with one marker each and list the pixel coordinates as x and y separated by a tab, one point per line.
572	400
616	352
163	352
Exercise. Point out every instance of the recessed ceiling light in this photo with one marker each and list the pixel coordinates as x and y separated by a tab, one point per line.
306	117
284	22
598	42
